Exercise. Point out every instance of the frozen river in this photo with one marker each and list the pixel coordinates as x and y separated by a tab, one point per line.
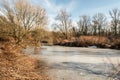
74	63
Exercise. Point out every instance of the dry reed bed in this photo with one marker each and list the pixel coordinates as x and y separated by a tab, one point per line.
86	41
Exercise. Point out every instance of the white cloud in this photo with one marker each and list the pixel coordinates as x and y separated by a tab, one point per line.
52	8
71	6
1	13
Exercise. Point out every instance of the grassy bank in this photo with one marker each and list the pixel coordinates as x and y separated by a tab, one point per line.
14	65
86	41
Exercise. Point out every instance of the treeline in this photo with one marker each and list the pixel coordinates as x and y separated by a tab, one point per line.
23	21
97	30
97	25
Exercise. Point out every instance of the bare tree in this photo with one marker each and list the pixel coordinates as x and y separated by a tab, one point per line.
80	27
84	24
64	23
115	15
94	30
119	28
22	16
99	21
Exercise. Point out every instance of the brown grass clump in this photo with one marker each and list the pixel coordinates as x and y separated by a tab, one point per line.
17	66
85	41
93	41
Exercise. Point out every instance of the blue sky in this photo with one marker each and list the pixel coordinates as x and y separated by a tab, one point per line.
77	7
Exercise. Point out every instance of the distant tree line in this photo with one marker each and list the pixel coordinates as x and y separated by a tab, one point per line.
98	25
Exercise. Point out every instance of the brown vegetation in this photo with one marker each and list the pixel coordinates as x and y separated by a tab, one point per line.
22	20
21	24
89	31
14	65
86	41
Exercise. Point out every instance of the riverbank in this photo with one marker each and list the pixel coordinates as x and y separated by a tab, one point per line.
86	41
15	65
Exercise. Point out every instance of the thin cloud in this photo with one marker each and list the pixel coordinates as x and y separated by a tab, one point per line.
1	13
77	7
52	8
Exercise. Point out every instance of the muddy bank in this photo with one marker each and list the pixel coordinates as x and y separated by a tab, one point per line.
14	65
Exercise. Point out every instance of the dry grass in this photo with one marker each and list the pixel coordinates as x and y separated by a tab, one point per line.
115	68
84	41
93	40
17	66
